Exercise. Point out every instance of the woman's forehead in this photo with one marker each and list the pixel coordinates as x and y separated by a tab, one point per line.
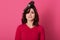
31	9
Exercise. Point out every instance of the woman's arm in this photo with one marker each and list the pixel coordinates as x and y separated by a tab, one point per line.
42	34
18	34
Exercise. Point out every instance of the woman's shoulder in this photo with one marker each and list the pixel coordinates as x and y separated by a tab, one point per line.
40	27
20	26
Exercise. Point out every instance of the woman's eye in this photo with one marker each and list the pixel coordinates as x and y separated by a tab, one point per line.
32	12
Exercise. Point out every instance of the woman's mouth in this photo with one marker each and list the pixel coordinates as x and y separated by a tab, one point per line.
29	17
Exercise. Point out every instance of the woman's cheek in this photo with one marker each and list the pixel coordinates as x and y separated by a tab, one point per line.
33	15
27	16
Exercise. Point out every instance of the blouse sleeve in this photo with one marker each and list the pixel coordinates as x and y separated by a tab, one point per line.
18	34
42	34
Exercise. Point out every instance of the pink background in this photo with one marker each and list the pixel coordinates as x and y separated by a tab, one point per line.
11	14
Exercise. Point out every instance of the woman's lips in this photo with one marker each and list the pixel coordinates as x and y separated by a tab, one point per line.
29	17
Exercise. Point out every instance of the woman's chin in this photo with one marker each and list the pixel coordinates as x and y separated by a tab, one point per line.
30	20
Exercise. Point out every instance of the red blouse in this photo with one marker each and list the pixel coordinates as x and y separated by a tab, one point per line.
23	32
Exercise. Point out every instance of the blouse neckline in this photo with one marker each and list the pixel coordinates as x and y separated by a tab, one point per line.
29	27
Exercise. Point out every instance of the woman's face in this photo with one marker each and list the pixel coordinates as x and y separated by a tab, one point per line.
31	15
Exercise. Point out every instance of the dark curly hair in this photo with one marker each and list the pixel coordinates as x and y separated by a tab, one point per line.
27	10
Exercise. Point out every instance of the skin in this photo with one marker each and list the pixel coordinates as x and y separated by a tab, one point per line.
30	18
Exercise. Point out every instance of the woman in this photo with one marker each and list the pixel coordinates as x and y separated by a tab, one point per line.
30	29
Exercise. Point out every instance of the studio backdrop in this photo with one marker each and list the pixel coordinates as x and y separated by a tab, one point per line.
11	14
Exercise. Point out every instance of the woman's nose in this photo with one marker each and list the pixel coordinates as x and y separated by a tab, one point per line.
29	13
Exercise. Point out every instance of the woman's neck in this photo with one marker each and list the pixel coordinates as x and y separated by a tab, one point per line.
30	23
